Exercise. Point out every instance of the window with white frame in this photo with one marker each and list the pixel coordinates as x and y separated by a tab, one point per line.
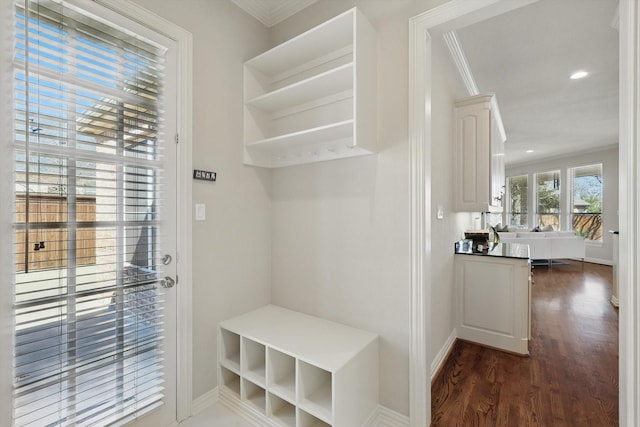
586	201
518	199
548	199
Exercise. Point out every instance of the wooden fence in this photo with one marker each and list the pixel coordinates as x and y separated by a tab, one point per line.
53	209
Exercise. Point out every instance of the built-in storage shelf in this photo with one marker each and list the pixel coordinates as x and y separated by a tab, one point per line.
298	370
230	351
313	97
231	381
254	395
253	357
314	88
282	411
282	375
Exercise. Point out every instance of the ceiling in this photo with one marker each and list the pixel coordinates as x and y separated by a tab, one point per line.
271	12
526	57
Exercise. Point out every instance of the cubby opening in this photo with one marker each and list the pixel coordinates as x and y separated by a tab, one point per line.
230	350
282	411
308	420
231	381
253	359
282	374
254	394
314	390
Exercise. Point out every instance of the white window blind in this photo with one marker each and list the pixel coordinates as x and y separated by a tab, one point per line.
88	185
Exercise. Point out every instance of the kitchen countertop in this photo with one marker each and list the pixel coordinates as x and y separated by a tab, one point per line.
500	250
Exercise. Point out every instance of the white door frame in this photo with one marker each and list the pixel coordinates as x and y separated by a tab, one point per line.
184	42
420	176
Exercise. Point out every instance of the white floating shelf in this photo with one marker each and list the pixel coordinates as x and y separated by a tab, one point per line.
333	81
297	140
327	37
316	89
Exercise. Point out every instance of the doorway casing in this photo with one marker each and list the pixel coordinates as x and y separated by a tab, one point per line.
462	11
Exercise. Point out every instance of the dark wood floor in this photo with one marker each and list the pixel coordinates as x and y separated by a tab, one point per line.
571	375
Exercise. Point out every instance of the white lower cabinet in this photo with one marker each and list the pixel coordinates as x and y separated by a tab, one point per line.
296	370
493	301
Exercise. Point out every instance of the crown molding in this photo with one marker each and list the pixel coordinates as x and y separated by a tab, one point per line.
464	70
460	60
272	12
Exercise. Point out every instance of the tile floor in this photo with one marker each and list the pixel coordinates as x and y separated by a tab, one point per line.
217	415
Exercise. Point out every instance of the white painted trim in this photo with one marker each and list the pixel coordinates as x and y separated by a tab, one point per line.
272	13
615	301
244	410
205	401
442	355
385	417
185	229
420	194
464	70
381	416
628	211
460	61
184	41
598	261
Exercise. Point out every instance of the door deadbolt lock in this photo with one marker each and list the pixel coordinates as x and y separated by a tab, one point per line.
166	260
167	282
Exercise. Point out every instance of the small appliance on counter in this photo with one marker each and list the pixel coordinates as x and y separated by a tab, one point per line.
479	238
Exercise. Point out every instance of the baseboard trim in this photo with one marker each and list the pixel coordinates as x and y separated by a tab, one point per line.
380	417
385	417
598	261
615	301
443	354
203	402
244	409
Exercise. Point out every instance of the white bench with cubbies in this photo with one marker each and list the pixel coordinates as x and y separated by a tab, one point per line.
291	369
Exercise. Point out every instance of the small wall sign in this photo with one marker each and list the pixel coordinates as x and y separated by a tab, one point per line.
204	175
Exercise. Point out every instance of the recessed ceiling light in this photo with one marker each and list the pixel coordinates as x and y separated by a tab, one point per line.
578	75
529	151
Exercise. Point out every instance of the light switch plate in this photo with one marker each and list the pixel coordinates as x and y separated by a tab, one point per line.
440	213
201	212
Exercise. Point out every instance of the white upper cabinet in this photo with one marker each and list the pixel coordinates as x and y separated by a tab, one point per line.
313	98
479	181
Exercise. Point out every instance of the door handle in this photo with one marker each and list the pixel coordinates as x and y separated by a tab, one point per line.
167	282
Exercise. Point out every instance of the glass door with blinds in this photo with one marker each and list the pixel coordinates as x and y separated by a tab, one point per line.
94	219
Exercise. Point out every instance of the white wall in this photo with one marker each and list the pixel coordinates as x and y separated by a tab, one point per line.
329	239
446	88
597	252
341	228
232	248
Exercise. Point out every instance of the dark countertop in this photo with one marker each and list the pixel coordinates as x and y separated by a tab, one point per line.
501	250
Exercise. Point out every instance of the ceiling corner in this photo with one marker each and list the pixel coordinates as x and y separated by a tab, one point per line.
272	12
